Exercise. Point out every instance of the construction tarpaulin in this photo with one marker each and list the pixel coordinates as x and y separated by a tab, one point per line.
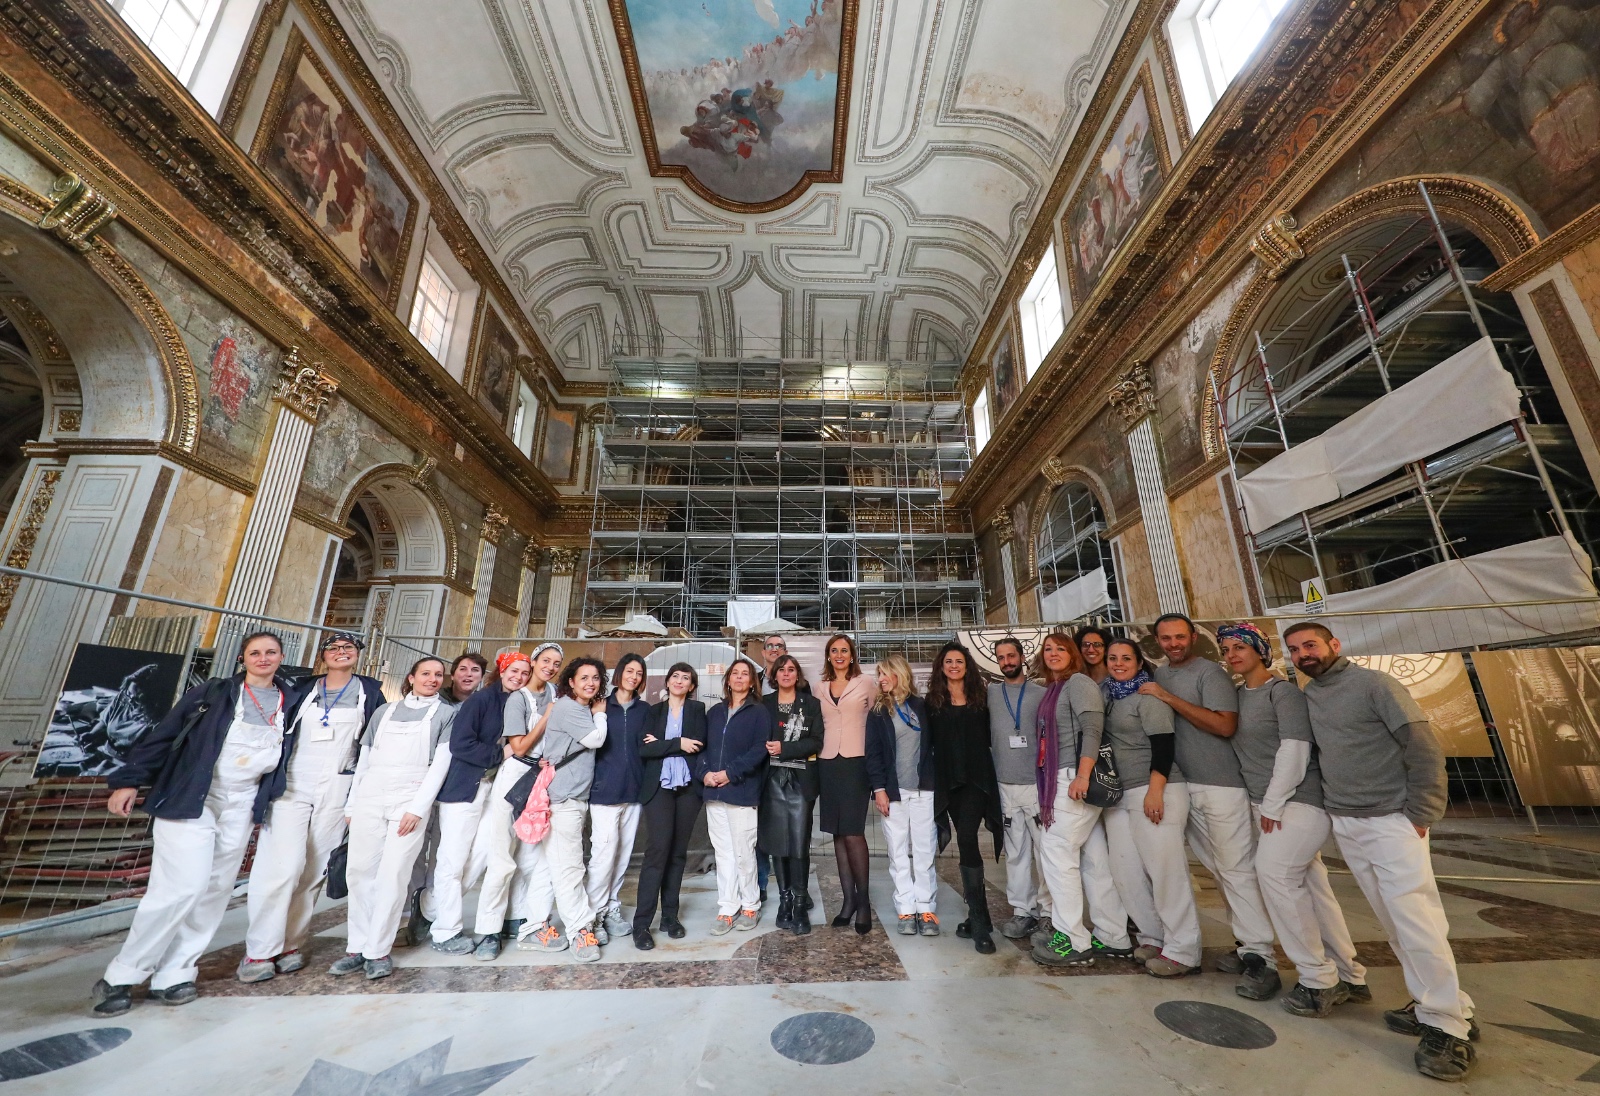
1078	598
1461	397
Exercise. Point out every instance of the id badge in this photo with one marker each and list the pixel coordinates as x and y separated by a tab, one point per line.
316	732
1019	742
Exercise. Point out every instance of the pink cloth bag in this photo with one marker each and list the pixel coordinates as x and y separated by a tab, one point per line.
534	821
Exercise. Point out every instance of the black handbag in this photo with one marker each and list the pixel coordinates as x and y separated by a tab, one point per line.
1105	786
338	862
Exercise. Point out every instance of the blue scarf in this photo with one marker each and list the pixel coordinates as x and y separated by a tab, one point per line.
1118	690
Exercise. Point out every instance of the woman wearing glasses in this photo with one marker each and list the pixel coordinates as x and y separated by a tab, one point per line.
307	823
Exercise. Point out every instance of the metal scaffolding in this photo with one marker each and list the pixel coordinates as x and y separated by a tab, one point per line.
821	485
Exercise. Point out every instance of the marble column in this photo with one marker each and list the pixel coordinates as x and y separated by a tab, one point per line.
563	565
301	395
1006	534
525	587
1134	398
494	528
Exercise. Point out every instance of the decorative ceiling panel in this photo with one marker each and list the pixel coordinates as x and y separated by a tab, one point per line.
939	122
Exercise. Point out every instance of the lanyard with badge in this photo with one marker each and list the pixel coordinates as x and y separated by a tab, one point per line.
906	716
1019	741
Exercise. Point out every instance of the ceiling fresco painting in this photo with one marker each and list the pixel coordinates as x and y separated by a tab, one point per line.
746	100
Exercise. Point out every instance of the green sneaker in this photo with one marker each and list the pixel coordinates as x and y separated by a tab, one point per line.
1100	948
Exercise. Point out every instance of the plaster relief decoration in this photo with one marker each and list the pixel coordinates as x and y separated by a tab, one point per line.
1123	177
558	451
745	100
497	365
317	148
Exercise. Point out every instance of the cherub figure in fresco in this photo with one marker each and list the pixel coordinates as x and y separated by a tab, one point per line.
1538	83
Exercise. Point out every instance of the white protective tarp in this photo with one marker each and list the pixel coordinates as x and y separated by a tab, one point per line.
1550	569
1464	395
1078	598
747	612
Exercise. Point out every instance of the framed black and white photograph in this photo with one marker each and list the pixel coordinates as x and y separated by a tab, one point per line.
110	697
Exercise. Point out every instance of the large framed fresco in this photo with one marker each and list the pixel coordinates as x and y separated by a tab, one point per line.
747	101
495	377
1007	373
1126	172
319	151
558	448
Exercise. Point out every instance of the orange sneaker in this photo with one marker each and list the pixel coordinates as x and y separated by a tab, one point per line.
928	924
586	946
722	925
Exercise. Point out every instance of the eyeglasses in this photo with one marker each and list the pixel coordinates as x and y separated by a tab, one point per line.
341	648
777	646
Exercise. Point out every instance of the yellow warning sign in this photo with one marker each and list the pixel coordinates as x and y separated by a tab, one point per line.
1311	593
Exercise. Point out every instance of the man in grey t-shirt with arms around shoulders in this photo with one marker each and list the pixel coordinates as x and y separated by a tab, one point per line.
1014	741
1383	784
1221	832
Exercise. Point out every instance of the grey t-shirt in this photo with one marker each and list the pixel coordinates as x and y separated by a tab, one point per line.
1377	751
907	752
1267	716
1080	709
1014	710
1205	758
1130	723
260	711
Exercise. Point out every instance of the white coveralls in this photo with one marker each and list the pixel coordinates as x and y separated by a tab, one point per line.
305	824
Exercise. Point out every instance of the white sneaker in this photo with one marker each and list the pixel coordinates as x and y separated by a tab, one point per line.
616	924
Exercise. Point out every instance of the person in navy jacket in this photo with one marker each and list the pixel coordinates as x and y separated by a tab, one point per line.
477	748
730	771
614	795
900	768
212	765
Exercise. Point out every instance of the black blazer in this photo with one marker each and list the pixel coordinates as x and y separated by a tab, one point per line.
807	746
653	753
179	779
881	770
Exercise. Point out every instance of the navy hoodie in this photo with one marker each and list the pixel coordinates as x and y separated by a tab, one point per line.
739	746
475	743
618	768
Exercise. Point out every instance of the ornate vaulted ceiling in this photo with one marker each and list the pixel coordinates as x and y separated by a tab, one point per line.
558	137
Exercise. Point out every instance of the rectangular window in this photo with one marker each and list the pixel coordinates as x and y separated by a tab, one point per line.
980	422
433	309
1212	41
526	418
1043	319
171	28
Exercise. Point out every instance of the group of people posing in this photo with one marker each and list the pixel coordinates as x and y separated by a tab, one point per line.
1098	772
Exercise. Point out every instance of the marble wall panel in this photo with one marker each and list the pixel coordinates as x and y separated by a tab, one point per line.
193	558
1207	553
294	587
1136	575
1583	267
500	624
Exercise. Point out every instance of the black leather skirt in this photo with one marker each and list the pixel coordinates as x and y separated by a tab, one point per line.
783	827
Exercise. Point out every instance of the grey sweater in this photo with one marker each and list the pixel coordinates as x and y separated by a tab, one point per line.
1014	764
1206	758
1377	752
1080	709
570	724
1130	724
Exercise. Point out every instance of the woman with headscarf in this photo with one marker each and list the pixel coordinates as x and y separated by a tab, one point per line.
307	823
405	753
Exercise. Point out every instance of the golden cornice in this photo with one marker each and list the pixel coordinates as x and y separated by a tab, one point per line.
62	448
1128	306
78	213
317	521
1578	233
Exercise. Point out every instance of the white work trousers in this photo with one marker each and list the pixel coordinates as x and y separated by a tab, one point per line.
612	827
495	847
1300	901
1019	806
196	864
1061	859
563	850
458	829
1107	914
1222	835
911	836
1395	870
379	876
302	828
1151	867
733	840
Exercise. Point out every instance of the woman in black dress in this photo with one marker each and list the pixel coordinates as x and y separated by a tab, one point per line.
784	828
966	794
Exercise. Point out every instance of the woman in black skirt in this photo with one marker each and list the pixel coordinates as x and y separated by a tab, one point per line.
846	696
966	794
784	827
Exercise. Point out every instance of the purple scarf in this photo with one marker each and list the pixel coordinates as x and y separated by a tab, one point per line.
1044	775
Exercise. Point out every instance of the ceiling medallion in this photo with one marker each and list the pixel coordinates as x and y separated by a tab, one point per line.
746	101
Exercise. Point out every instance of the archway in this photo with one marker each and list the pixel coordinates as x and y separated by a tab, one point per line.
1077	577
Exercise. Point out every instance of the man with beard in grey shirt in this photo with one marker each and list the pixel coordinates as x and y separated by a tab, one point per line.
1383	784
1014	741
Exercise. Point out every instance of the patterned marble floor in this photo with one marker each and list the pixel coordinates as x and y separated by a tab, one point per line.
769	1012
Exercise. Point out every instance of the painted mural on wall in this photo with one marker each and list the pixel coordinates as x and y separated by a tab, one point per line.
345	445
1122	179
1179	373
1007	377
240	370
497	365
558	451
745	99
319	150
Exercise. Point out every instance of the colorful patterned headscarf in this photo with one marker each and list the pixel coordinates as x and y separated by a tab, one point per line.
1247	633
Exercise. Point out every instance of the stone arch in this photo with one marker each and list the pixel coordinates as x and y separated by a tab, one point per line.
1502	223
1063	486
424	531
1057	478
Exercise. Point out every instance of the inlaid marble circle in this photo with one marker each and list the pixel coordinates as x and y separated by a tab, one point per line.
1215	1025
822	1038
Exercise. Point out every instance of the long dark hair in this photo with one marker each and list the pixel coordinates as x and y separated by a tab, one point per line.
800	681
755	681
570	671
622	664
854	669
939	686
405	690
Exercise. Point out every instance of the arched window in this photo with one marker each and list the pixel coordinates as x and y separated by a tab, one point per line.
1076	575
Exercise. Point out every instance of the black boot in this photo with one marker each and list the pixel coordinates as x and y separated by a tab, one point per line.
785	909
800	880
978	911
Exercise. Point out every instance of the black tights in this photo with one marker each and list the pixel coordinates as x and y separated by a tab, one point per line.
851	854
967	805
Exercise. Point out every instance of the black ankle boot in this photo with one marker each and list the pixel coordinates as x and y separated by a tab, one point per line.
785	909
802	919
978	922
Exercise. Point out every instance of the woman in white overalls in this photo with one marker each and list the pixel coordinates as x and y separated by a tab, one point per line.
213	764
405	753
307	824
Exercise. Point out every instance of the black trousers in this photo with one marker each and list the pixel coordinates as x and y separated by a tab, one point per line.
669	820
967	805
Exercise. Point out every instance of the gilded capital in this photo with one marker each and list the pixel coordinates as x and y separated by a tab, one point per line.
494	525
530	555
1133	395
423	469
1004	531
1276	245
1055	473
563	561
77	211
301	388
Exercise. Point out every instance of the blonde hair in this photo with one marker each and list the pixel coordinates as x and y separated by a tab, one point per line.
904	684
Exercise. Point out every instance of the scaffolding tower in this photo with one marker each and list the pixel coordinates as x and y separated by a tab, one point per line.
821	486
